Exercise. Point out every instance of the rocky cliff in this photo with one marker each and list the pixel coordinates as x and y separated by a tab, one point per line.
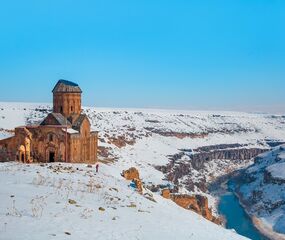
197	162
262	189
196	203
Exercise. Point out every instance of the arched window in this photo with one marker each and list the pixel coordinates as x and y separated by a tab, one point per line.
71	108
61	109
50	137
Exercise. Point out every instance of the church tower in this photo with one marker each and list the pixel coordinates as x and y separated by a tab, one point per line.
67	98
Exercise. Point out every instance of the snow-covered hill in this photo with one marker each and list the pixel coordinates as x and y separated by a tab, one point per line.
146	138
263	192
160	143
72	202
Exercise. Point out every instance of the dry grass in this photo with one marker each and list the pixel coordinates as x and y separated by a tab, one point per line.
13	211
37	206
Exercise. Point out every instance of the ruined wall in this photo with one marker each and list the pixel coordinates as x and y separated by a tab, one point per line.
48	140
75	149
37	144
94	146
17	147
5	149
34	144
83	146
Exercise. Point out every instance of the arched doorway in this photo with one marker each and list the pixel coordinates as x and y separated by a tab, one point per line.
22	153
22	157
51	154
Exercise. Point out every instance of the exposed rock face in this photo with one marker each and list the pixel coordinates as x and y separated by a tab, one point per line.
196	203
121	141
179	135
165	193
261	188
268	178
104	152
199	159
183	164
203	134
131	174
187	202
218	147
139	185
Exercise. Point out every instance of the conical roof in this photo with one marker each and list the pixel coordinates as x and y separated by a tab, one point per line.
65	86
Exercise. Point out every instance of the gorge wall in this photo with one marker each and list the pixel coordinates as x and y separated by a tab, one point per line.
196	168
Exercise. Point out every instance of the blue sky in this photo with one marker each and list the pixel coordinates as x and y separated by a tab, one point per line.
224	55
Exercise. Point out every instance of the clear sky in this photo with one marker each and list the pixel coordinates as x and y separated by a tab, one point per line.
224	55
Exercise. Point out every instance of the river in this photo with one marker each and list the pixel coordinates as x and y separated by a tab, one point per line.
236	217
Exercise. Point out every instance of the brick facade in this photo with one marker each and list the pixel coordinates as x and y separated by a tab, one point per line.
63	136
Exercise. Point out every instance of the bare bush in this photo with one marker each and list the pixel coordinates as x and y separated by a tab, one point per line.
91	186
87	213
39	180
13	211
37	205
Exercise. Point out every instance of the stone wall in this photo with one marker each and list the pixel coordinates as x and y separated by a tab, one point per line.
34	144
83	149
67	103
17	147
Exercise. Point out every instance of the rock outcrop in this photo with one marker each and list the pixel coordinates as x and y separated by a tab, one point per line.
139	185
198	160
268	178
202	134
196	203
165	193
187	161
121	141
131	174
179	135
261	189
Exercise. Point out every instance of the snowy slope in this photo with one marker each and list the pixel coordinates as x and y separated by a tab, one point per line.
277	170
147	129
263	191
149	137
139	122
62	202
152	134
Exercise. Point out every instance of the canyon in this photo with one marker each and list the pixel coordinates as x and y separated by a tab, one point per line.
179	154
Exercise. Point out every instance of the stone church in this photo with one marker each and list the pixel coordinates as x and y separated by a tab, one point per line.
63	136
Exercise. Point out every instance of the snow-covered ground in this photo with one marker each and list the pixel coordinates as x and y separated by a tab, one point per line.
147	129
263	191
277	170
55	201
150	137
